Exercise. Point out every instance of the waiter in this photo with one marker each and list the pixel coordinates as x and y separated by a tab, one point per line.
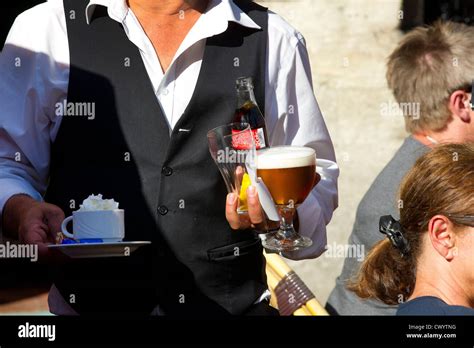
151	78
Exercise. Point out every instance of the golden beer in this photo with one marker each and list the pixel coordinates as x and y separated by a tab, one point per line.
288	172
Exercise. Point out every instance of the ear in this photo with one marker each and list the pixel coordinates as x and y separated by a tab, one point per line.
459	105
442	236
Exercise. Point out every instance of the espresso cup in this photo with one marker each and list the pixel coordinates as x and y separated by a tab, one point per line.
107	225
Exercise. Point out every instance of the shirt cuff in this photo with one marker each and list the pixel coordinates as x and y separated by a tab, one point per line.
11	187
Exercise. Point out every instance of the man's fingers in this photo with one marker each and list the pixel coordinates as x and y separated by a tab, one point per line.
254	217
33	231
54	218
39	223
37	234
255	210
231	211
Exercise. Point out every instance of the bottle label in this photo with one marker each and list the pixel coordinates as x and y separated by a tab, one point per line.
259	138
241	141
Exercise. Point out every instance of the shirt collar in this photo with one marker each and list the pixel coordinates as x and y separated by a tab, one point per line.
223	11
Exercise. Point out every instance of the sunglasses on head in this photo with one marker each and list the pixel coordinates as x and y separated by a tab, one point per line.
466	220
472	89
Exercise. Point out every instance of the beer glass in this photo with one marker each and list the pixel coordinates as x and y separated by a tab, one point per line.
230	146
289	173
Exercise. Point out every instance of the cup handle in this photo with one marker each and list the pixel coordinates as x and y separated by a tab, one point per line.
64	227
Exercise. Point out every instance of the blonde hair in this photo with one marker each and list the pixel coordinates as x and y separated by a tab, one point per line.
441	182
429	64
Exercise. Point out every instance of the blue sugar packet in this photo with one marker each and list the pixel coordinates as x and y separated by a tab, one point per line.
81	241
91	240
68	241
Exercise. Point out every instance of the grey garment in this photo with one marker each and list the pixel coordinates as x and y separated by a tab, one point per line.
58	305
380	199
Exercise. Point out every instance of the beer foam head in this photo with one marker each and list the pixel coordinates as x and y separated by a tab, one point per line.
280	157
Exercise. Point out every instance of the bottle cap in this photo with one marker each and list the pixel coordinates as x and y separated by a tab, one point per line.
244	82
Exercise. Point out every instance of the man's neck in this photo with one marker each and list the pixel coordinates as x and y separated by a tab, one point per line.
421	138
164	8
166	23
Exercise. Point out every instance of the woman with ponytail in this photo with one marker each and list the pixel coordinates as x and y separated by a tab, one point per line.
426	263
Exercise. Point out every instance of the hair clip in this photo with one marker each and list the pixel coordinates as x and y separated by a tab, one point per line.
394	231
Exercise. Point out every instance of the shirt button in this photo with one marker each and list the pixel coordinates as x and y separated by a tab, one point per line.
167	171
162	210
165	91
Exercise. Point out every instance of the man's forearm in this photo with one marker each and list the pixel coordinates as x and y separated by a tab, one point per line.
12	211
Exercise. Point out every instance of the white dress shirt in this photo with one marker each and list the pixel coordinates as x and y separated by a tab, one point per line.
34	76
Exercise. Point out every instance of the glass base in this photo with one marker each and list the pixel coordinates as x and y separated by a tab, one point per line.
275	242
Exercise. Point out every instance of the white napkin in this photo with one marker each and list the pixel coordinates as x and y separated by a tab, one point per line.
266	200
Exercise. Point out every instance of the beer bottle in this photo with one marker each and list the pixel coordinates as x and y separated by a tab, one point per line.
248	112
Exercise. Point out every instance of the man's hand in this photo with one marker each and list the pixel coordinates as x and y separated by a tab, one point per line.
32	222
255	217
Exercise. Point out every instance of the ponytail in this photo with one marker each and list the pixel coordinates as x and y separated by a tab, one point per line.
440	182
385	274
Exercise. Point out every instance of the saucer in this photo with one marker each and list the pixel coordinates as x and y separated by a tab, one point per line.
94	250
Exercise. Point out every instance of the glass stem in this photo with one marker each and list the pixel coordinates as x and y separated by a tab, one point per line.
287	213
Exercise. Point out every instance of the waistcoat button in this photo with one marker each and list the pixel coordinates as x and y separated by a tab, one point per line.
167	171
162	210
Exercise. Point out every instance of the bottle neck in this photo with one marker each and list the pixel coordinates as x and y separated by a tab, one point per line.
244	95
